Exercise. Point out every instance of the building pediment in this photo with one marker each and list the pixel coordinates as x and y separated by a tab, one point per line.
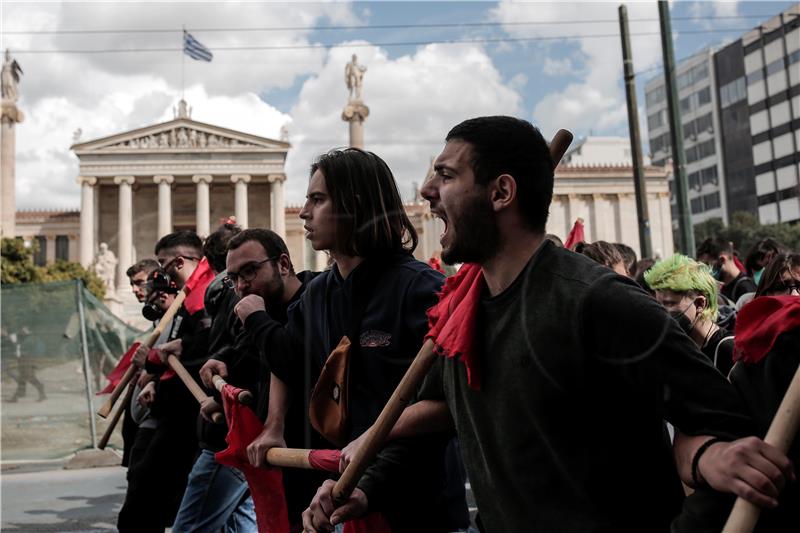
180	135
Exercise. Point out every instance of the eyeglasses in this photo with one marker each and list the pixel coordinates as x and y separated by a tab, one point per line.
247	273
168	264
785	288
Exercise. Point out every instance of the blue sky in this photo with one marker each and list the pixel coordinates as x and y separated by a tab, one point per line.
552	73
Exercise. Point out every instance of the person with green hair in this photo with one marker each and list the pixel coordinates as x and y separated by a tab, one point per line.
689	292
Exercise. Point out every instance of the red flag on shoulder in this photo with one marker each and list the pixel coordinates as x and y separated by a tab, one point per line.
451	322
576	235
760	322
115	376
195	286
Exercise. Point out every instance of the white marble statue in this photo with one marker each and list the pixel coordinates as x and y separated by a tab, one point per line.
354	77
10	77
105	266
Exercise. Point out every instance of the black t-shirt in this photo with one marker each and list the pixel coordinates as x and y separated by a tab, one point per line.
737	287
579	368
719	350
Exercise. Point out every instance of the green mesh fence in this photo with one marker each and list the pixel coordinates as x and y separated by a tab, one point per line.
45	410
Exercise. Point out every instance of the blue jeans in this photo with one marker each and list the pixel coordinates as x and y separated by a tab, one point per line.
216	497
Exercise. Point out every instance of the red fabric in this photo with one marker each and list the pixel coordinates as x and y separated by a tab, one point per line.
576	235
739	264
195	286
435	264
154	358
325	460
759	323
266	484
115	376
371	523
451	322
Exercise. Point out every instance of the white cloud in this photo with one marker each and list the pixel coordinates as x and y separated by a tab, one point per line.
703	13
597	101
557	67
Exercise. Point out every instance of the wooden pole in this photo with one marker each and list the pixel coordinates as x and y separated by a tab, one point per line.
289	458
115	419
245	397
198	393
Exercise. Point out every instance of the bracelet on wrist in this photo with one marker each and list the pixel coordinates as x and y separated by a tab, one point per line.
696	459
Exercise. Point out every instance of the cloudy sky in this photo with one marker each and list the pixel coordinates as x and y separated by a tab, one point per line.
430	65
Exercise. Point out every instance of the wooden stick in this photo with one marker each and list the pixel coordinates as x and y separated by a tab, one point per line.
408	385
198	393
289	458
781	434
106	408
115	419
245	397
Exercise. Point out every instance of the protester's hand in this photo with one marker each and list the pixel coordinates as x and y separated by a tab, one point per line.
249	305
213	367
321	514
148	395
144	379
349	451
257	450
208	408
749	468
170	348
140	356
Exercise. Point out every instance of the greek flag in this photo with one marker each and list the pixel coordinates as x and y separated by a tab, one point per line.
195	50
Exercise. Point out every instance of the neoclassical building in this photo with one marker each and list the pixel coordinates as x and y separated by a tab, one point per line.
139	185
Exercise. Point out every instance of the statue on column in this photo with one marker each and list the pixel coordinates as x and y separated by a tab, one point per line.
10	77
105	266
354	78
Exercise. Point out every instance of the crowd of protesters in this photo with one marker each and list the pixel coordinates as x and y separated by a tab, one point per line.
578	389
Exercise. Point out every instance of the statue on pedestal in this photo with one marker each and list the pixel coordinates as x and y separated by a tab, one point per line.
105	266
354	78
10	77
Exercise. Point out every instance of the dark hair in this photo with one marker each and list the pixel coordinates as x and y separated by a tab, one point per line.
370	216
180	239
628	257
215	247
757	253
715	247
642	266
602	252
272	243
774	271
508	145
145	265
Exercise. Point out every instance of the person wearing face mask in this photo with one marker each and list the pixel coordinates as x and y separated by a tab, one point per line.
760	255
688	292
718	255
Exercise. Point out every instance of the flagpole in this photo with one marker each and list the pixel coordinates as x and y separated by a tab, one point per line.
183	63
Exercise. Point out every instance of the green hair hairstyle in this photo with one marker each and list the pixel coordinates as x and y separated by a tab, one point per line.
684	275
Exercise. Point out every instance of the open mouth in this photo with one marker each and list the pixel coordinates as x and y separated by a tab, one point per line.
443	217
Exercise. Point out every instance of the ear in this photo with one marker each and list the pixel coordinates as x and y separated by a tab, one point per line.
700	303
502	192
284	265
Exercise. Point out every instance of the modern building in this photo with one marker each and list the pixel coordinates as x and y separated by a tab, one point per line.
695	79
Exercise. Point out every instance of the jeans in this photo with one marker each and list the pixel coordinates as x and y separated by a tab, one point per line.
216	497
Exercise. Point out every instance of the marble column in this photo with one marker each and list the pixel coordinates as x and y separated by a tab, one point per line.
10	116
125	230
203	217
277	209
240	208
87	219
164	204
355	113
604	219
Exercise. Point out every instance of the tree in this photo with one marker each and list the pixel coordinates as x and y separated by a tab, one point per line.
745	230
17	267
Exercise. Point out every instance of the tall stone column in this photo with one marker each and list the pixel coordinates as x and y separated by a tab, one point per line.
9	117
203	217
164	204
355	112
240	207
277	209
124	229
87	219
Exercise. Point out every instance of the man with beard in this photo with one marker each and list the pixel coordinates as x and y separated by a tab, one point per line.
138	274
559	407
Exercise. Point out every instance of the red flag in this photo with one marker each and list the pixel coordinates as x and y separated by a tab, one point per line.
451	322
115	376
576	235
759	323
195	287
266	484
436	264
154	358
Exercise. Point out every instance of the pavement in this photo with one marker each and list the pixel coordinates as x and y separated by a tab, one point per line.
62	501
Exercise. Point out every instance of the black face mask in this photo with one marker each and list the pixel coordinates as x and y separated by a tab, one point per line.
683	321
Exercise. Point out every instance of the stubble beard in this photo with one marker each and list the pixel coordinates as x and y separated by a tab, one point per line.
475	233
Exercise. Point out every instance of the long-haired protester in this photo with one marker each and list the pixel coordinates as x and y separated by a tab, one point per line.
367	316
781	276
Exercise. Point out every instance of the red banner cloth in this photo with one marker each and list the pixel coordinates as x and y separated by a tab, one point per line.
154	358
759	323
576	235
436	264
195	286
326	460
266	484
451	322
115	376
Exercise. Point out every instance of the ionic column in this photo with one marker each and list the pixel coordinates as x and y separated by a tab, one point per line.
164	204
277	210
240	207
125	229
203	216
87	219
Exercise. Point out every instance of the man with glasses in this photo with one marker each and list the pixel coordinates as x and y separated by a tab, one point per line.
259	266
138	274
